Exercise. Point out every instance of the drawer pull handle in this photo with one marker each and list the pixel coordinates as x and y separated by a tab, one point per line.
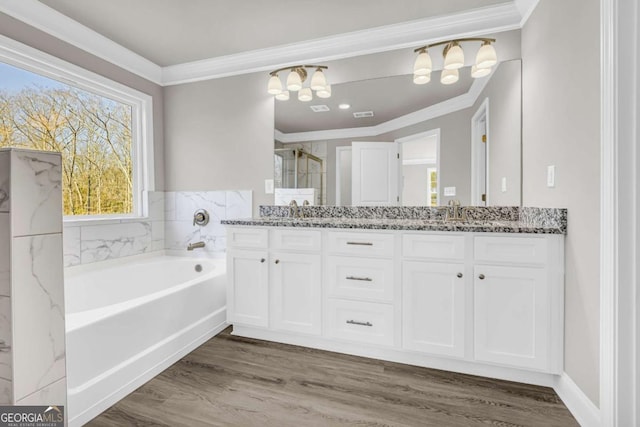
277	261
481	277
262	260
364	279
360	243
459	275
355	322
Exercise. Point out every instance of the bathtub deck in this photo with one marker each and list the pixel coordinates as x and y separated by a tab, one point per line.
244	382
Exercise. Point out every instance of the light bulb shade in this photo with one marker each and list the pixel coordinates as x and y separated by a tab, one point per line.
275	85
449	76
476	72
283	96
324	93
454	57
305	94
421	79
318	80
294	82
486	57
423	65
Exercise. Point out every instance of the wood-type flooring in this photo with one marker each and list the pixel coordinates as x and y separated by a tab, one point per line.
234	381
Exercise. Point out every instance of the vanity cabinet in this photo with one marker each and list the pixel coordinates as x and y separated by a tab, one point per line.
433	307
517	286
296	292
360	278
276	279
483	303
512	316
248	298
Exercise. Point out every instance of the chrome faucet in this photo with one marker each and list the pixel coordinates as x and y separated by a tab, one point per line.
455	212
294	210
195	245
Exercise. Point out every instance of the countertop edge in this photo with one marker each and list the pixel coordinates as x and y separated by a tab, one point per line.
446	227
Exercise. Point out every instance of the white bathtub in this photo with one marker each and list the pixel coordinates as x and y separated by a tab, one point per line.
129	320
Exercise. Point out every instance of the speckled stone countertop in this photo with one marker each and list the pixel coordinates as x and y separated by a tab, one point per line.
491	220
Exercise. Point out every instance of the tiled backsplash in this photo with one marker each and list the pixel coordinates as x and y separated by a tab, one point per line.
169	225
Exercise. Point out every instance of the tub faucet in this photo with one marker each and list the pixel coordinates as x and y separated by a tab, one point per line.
195	245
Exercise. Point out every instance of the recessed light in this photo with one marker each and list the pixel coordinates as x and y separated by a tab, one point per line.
344	106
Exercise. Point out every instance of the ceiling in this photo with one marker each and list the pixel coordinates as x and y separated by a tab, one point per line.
388	98
170	32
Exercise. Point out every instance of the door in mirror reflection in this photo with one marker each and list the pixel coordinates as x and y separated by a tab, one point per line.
374	174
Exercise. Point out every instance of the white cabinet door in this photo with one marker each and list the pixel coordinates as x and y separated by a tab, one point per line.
374	174
247	287
433	307
512	316
296	292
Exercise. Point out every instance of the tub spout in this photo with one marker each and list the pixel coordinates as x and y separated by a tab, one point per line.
195	245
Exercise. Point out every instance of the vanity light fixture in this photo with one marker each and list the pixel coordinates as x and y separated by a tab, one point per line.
454	60
295	83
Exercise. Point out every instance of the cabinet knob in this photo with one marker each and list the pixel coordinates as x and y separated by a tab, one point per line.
262	260
277	261
481	277
459	275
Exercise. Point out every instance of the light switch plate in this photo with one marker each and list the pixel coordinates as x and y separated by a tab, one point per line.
504	184
449	191
551	176
268	186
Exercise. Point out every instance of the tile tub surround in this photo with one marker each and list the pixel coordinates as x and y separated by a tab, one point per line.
180	207
88	241
169	225
480	219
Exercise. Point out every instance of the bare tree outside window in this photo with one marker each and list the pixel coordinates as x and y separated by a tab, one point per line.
92	132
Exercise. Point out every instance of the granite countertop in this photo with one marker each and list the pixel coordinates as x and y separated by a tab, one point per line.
491	226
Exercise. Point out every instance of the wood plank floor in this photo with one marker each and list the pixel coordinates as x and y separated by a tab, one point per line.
233	381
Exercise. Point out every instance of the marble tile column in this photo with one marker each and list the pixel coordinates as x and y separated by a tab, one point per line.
32	332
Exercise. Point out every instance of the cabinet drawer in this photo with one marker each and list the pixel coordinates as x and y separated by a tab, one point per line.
362	278
433	246
527	250
300	240
365	322
247	238
363	244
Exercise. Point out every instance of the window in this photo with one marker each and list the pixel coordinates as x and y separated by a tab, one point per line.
101	128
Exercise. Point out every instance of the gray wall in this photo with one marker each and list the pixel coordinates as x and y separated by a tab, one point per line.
561	127
504	92
219	136
35	38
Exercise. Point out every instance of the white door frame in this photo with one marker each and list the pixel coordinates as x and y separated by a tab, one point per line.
339	150
619	225
416	136
476	193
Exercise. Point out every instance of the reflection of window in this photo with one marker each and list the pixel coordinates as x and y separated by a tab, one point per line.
433	186
98	134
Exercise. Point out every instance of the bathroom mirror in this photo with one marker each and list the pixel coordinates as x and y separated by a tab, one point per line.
460	141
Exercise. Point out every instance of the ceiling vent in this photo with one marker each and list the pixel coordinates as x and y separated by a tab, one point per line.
363	114
319	108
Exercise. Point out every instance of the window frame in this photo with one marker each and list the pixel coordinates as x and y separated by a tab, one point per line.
33	60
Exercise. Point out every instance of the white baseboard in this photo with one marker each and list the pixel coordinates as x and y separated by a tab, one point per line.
581	407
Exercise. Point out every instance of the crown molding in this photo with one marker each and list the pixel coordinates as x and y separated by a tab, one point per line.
440	109
525	8
52	22
492	19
